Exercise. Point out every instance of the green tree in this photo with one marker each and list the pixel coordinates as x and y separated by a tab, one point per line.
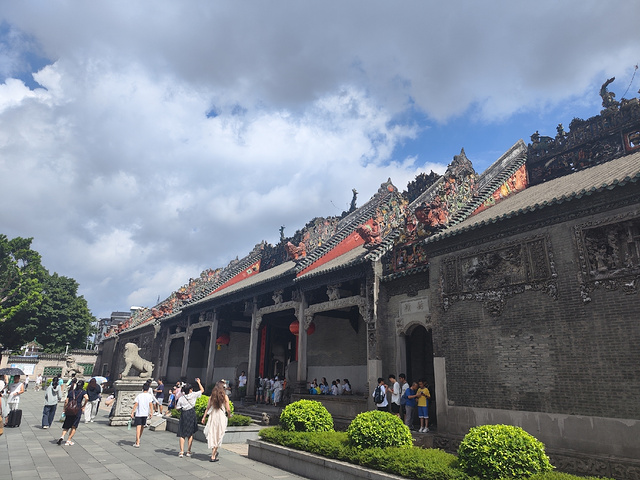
35	304
20	289
63	315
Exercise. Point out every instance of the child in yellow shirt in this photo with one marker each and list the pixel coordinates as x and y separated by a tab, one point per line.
423	406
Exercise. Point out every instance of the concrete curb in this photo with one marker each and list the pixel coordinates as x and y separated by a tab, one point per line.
309	465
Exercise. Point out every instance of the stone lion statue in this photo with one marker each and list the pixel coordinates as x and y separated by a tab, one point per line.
72	367
133	359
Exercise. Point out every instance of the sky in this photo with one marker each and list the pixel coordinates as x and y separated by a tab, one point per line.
144	142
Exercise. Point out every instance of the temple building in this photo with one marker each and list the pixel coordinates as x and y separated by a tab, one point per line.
512	292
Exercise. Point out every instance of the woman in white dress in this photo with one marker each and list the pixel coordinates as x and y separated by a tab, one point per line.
218	410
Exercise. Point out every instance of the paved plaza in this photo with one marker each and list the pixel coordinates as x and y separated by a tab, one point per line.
102	452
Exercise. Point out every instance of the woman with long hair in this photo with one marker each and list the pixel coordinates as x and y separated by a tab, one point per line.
73	407
188	424
218	411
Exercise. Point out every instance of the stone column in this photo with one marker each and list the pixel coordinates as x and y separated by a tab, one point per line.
254	341
185	352
213	335
165	356
370	314
303	325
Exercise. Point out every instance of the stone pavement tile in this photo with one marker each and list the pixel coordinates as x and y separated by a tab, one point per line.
102	452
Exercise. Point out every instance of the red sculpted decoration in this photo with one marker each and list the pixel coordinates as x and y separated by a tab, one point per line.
370	233
294	252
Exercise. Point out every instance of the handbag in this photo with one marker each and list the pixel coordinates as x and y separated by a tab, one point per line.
72	407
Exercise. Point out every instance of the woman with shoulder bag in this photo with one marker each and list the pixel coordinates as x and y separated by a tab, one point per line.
73	407
188	424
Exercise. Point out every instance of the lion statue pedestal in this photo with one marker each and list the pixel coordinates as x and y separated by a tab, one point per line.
126	391
128	387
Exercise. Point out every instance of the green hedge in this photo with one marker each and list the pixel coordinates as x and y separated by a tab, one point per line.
240	421
412	462
408	462
200	406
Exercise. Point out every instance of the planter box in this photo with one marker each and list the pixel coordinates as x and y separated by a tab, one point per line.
309	465
232	435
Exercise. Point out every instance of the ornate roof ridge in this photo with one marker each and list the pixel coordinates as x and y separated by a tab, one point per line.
349	224
593	174
493	177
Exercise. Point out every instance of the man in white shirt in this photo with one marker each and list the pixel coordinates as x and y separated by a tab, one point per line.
142	410
395	395
382	388
340	387
242	386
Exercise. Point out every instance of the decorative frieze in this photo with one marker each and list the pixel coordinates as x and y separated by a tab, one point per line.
492	276
609	254
274	308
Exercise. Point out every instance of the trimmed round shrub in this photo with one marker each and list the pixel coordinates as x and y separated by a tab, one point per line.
306	416
377	429
502	451
201	406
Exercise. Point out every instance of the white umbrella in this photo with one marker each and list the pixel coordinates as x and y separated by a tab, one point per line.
100	380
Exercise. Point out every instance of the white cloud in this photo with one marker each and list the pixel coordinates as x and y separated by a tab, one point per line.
126	184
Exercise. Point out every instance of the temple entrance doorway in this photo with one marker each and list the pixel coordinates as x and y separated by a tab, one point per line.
174	363
277	345
419	343
198	354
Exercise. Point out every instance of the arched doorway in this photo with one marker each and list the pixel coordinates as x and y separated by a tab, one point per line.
419	344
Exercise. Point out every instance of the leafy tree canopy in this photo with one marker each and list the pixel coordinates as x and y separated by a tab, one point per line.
35	304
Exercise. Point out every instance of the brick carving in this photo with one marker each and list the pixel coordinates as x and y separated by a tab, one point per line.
609	254
492	276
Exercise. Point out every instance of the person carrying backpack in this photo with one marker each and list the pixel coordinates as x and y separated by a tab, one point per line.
380	396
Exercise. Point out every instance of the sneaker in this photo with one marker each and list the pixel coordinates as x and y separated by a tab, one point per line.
421	430
188	454
135	445
45	427
426	429
69	442
59	442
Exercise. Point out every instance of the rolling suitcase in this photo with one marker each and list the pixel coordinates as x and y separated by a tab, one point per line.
14	418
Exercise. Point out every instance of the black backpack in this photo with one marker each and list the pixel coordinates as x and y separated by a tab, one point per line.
378	397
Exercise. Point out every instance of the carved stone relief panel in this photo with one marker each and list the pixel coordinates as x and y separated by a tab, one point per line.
492	276
609	253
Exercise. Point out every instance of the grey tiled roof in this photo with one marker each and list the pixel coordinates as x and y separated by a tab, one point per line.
352	257
254	280
560	190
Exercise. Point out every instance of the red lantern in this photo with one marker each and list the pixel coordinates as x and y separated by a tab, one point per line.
222	340
294	327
